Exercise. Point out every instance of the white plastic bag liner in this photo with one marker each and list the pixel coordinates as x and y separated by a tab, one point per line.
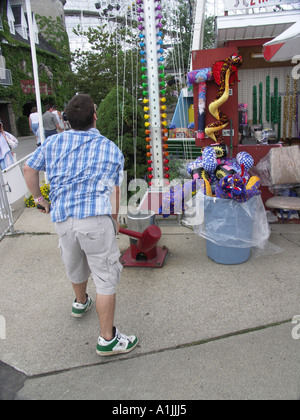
226	222
280	167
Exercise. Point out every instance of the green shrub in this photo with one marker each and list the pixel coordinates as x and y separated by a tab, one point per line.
23	125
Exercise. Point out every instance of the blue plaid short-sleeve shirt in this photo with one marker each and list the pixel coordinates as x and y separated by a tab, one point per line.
82	168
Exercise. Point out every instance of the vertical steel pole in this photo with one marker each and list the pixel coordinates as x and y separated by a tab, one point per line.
151	41
35	70
198	34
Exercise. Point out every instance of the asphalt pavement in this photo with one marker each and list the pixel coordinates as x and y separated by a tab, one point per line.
26	145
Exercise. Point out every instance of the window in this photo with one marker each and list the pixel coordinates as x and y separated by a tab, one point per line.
23	64
20	21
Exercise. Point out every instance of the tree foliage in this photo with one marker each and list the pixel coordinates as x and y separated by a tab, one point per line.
181	31
18	59
111	60
209	33
120	118
110	72
54	32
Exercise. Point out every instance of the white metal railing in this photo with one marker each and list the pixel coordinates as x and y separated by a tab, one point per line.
6	220
12	188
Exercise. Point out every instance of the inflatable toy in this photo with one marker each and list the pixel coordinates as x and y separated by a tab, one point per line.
243	158
211	168
233	186
222	177
200	77
225	74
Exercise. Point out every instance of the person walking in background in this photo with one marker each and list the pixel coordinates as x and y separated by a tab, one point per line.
66	122
7	143
84	194
59	117
50	122
34	124
38	137
34	120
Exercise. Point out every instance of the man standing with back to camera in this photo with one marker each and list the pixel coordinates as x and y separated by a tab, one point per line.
85	171
50	122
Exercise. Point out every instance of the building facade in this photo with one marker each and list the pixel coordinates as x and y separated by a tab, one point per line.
17	89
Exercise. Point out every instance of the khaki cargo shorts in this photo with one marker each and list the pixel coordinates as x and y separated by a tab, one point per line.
89	246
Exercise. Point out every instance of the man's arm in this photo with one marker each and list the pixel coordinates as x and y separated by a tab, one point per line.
54	119
59	127
33	183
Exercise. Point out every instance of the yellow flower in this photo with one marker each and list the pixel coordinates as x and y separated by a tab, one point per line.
45	190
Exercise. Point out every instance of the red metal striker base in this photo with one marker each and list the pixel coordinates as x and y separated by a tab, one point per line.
154	258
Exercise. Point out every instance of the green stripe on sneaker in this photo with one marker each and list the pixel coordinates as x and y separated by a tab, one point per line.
79	312
109	346
120	344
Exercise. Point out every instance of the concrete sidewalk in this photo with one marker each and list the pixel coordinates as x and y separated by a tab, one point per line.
207	331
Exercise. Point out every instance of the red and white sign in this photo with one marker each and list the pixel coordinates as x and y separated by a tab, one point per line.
28	86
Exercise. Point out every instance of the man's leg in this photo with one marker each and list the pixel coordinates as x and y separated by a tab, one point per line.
80	291
111	341
98	242
82	303
105	305
76	265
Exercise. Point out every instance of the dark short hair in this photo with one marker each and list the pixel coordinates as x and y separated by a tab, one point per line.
80	112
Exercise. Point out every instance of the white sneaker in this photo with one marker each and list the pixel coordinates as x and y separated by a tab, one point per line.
79	309
121	343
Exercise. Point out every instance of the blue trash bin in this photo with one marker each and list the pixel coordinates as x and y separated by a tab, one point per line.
230	225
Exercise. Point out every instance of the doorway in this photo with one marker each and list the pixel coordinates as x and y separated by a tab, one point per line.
4	116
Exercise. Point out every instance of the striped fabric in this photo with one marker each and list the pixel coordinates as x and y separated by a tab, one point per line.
82	168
